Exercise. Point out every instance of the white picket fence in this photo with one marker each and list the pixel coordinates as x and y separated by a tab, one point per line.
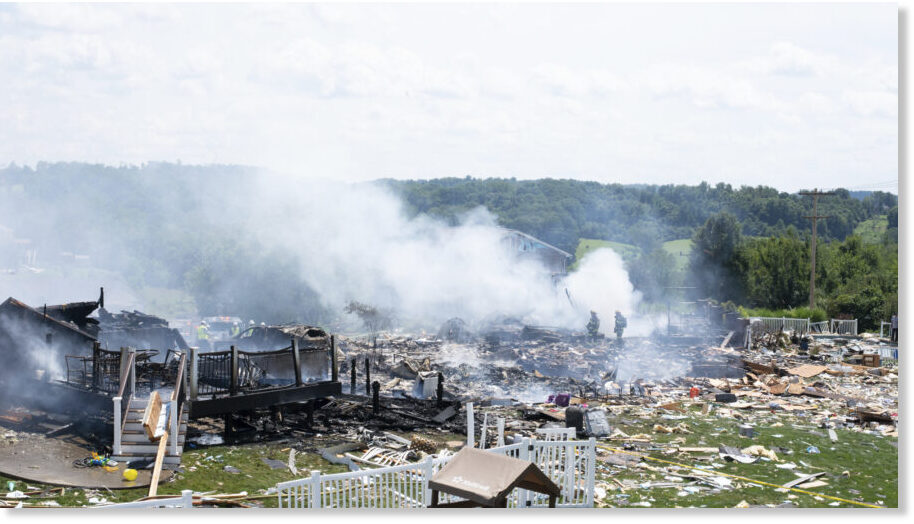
571	464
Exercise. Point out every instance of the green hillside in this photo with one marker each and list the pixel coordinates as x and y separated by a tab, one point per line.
680	249
873	229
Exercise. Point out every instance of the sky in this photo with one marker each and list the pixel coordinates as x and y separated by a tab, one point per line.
792	96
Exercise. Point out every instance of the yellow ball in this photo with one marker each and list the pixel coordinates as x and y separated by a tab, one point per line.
130	474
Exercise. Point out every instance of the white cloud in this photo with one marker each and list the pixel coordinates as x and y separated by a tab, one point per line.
706	88
788	59
872	103
360	91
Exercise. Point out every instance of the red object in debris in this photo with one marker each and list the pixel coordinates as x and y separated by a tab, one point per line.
694	392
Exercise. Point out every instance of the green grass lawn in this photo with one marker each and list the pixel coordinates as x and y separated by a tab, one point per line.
680	250
203	472
859	466
873	229
870	463
586	245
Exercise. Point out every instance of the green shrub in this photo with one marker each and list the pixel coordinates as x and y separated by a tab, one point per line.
814	315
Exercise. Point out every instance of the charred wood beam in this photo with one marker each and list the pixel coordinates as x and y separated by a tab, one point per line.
261	399
376	397
233	385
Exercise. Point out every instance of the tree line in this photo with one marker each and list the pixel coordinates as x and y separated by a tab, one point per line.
563	211
854	279
184	227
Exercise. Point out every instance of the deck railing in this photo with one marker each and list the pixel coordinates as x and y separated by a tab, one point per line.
844	327
236	372
776	325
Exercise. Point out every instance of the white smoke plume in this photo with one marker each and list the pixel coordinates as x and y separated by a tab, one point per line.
358	243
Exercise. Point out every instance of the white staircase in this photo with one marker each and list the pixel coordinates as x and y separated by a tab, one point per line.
135	445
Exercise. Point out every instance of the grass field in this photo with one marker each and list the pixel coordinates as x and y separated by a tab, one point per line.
872	230
586	245
203	471
859	466
680	250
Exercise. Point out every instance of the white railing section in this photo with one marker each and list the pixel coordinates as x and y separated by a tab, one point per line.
186	500
776	325
844	327
117	425
553	434
571	464
818	327
882	325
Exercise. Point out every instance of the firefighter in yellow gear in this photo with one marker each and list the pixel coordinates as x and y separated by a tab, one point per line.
203	335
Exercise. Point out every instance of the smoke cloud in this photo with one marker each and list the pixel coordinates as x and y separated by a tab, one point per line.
356	242
245	241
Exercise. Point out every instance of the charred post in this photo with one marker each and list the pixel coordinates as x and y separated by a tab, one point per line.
352	378
96	365
376	397
296	361
440	390
367	377
334	373
233	385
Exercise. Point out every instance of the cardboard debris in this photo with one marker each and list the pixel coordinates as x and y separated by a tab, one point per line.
807	370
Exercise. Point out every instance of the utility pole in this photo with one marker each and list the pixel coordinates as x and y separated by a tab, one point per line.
815	194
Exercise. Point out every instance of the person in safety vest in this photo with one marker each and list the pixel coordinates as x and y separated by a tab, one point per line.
236	329
203	335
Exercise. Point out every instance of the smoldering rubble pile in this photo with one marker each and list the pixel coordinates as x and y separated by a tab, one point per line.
826	385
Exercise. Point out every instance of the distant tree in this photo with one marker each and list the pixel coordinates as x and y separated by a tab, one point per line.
713	265
776	271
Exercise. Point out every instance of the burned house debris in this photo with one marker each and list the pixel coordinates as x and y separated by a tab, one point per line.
525	246
136	329
411	397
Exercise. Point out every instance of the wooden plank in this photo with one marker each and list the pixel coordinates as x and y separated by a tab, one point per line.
151	415
157	468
